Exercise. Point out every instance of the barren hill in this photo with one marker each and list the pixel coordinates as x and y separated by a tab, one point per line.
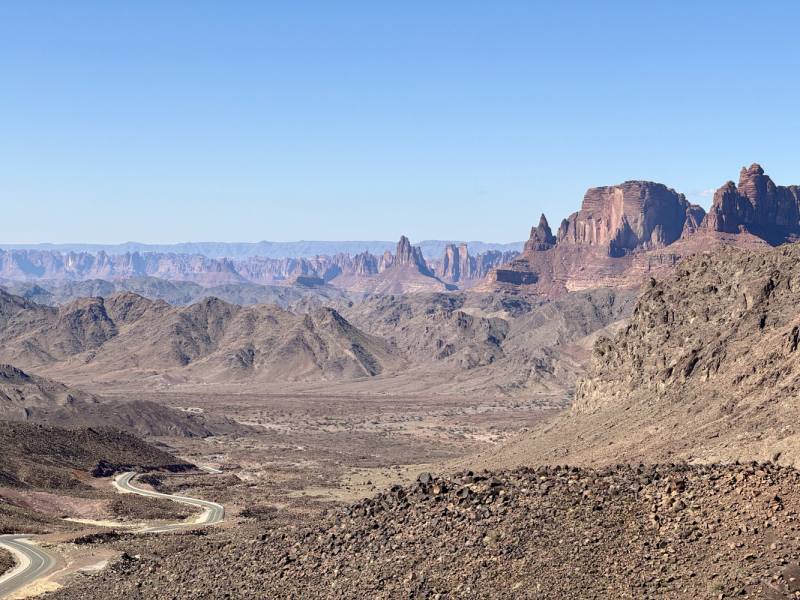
126	335
706	370
495	343
39	456
27	397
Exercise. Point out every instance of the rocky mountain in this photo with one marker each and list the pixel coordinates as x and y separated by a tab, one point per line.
126	335
405	272
179	293
346	271
494	344
626	233
757	206
706	370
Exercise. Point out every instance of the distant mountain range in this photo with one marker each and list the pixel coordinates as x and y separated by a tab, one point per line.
241	250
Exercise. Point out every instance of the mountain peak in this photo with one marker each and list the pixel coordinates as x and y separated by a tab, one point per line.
541	238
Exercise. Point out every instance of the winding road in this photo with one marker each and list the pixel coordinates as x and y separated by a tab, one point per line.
35	563
213	512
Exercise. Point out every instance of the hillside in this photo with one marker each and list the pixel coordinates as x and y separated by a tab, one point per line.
126	335
55	292
706	371
494	343
43	457
27	397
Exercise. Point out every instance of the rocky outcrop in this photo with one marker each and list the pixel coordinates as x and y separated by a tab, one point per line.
635	215
541	238
404	272
757	206
458	267
409	256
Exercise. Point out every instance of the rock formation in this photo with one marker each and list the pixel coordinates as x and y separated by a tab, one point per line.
541	238
631	216
459	268
405	272
410	256
625	233
756	206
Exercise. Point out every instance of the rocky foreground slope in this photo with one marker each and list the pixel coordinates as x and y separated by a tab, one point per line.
668	531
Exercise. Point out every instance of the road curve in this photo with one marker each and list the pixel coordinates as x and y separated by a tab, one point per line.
213	512
34	563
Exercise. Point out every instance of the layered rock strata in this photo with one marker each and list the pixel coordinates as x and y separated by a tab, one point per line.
625	233
757	206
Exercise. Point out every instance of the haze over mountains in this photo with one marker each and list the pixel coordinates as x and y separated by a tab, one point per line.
241	250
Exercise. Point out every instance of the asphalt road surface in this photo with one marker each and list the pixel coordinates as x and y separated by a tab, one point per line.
36	563
39	563
214	513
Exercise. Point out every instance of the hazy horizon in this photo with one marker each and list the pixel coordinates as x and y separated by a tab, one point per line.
161	122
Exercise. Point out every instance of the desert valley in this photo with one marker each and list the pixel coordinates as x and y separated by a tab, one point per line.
609	410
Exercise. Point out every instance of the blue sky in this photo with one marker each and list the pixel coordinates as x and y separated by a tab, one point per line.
240	121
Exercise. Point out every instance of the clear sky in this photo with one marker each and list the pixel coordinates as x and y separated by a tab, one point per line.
189	120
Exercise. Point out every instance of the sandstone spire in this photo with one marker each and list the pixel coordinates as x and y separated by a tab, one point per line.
542	237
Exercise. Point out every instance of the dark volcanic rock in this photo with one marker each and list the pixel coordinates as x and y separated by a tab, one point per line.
552	532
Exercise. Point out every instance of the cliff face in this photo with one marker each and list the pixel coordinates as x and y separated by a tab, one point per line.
598	242
630	216
626	233
757	206
458	267
410	257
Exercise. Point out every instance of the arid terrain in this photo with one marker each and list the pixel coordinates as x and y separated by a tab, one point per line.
610	414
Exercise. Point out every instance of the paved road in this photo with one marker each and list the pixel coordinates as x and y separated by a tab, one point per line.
35	563
210	470
214	513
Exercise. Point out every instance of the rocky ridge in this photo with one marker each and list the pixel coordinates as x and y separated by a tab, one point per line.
126	335
705	370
